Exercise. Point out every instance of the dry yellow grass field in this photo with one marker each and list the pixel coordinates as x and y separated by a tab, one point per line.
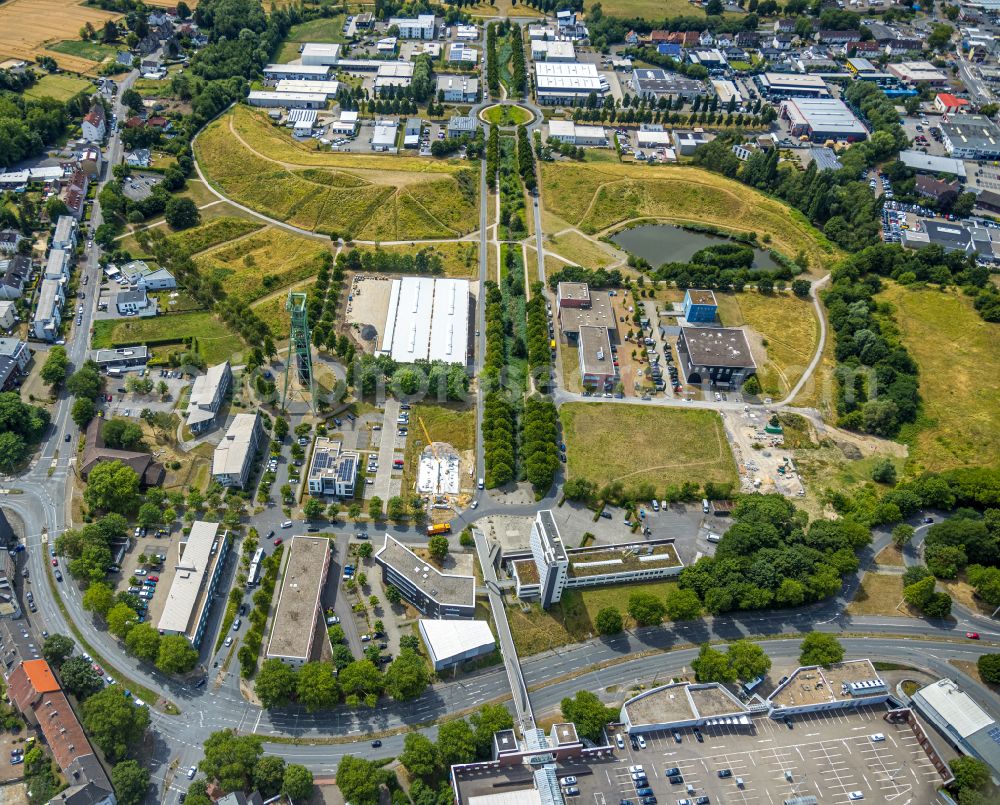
27	26
879	594
597	197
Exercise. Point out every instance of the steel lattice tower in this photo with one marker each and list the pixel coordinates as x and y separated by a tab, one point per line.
299	349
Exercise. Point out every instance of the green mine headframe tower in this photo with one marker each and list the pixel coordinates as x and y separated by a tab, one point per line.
299	349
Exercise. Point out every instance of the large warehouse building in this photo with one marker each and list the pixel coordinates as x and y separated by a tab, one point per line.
428	319
792	85
569	83
822	119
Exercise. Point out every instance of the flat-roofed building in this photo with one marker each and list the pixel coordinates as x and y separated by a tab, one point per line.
384	136
559	50
207	394
569	83
66	232
577	134
433	593
462	126
324	54
683	704
287	100
822	119
597	366
596	310
332	470
929	163
700	306
420	27
652	135
298	72
427	319
917	72
452	642
347	125
550	557
299	87
393	74
56	265
233	458
971	137
122	357
792	85
960	719
293	630
458	88
196	577
459	52
843	685
48	311
719	356
572	294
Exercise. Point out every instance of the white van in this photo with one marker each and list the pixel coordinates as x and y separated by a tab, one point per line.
713	537
704	505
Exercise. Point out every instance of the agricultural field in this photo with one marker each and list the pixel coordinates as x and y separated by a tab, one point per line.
637	444
787	328
597	197
27	27
84	49
262	263
215	340
60	86
360	196
322	30
959	358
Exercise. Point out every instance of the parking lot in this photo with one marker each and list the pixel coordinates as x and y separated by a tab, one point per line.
828	755
140	185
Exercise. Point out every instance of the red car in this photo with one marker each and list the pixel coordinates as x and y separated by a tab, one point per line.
154	578
278	541
972	635
55	563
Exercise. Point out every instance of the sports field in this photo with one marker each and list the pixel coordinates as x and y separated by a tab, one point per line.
596	197
28	26
361	196
959	358
638	444
788	330
264	262
60	86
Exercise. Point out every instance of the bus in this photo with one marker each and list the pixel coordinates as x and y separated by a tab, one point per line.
438	528
254	575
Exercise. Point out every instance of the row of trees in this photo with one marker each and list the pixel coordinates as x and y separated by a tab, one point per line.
250	649
537	317
493	156
526	159
424	261
492	61
539	433
518	74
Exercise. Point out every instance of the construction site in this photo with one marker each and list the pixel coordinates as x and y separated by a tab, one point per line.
763	462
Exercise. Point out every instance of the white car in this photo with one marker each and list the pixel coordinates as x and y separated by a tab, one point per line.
286	524
619	742
192	772
635	769
878	737
856	795
229	641
641	741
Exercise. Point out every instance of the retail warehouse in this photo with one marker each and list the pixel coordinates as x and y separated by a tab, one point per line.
427	319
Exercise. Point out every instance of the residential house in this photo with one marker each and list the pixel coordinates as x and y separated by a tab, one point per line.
835	37
747	39
66	233
8	314
14	273
632	38
140	158
706	39
149	471
131	303
74	194
140	274
91	160
9	240
48	311
14	357
944	193
207	394
94	124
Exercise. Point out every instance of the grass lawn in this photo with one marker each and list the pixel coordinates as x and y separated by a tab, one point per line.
321	30
263	263
788	329
271	309
879	594
890	555
572	619
449	423
216	342
637	444
596	197
95	51
959	359
653	9
507	115
362	196
60	86
580	251
570	356
500	8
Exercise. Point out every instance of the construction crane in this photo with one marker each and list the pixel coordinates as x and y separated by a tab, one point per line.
427	436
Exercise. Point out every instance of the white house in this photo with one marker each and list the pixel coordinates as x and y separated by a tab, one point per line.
422	27
48	312
65	235
94	124
57	266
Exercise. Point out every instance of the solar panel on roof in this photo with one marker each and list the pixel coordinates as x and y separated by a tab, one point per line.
994	733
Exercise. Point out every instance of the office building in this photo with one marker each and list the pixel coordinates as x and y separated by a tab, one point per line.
122	357
791	85
597	361
196	578
66	233
300	87
207	395
457	88
917	72
435	594
700	306
567	131
960	719
232	460
569	83
332	470
421	27
579	306
293	631
971	137
719	356
393	74
559	50
296	72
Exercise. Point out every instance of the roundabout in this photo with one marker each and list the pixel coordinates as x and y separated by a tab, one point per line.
507	115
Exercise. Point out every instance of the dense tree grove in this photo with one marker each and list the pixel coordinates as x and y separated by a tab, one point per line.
492	62
423	261
21	427
597	278
519	76
539	434
27	125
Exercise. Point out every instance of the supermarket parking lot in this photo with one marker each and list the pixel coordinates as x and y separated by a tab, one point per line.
827	755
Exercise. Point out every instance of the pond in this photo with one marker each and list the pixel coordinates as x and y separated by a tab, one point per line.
665	243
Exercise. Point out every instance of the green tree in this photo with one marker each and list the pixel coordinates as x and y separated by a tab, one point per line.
420	756
316	686
395	509
747	660
457	743
902	534
365	550
989	668
486	722
268	775
86	381
681	604
177	655
919	594
712	666
406	677
121	618
275	684
358	780
820	648
645	608
313	509
361	679
970	772
112	486
884	472
298	783
437	546
375	508
149	515
99	598
114	721
83	411
55	367
589	714
609	621
231	759
392	595
280	428
79	678
57	648
181	213
143	641
131	782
